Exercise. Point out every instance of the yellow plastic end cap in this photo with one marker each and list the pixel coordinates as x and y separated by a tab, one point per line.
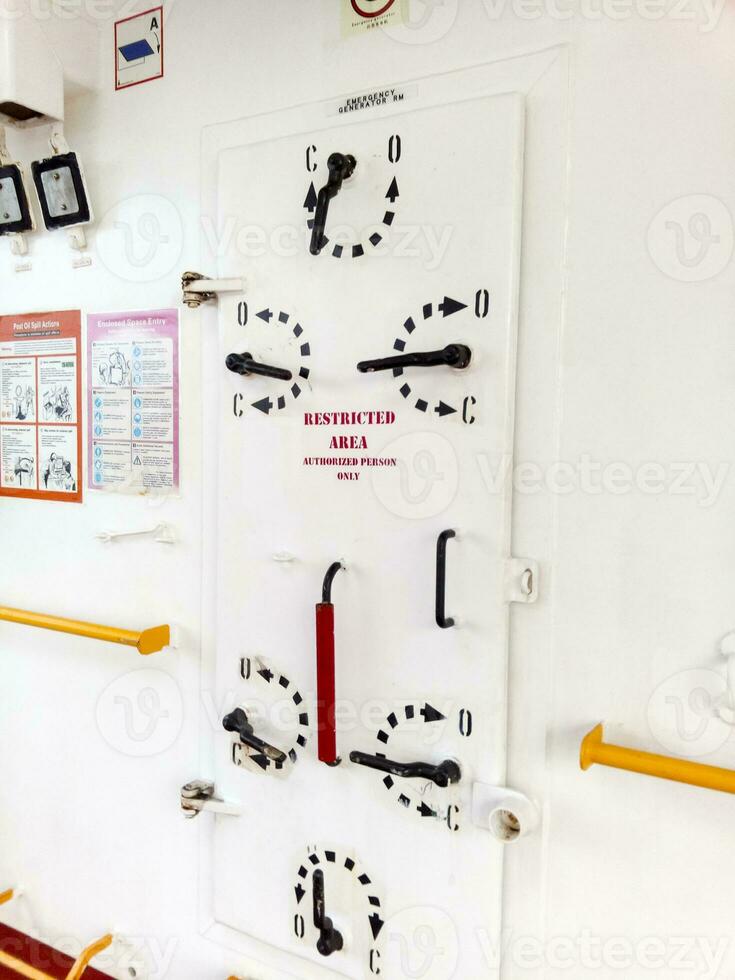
153	640
589	742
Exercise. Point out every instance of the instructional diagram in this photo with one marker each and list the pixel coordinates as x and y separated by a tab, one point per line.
133	398
40	395
139	48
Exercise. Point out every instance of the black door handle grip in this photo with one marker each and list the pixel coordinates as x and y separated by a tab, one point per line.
453	355
442	775
341	166
245	365
237	722
442	620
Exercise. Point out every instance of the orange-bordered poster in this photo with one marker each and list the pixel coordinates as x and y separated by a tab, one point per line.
40	404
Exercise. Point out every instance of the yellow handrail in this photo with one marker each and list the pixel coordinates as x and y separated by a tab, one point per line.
31	973
595	750
146	642
77	970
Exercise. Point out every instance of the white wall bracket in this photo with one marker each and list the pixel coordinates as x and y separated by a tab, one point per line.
198	289
507	814
198	797
161	534
521	580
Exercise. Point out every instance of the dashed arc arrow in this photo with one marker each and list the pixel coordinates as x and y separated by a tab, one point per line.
265	405
431	714
443	409
266	315
450	306
300	892
376	924
311	198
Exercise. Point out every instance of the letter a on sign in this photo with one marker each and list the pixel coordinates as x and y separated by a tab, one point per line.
139	48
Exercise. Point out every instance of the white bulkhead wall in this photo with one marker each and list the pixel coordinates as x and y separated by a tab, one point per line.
632	366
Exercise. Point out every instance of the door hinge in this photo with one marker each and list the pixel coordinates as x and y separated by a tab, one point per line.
198	796
198	289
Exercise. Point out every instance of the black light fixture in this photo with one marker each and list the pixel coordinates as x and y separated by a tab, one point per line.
61	191
15	211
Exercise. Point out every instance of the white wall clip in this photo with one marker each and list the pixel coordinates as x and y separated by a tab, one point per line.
162	534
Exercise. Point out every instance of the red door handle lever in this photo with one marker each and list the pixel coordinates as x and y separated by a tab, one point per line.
325	672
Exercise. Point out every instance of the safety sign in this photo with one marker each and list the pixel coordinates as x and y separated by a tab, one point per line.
133	401
359	16
139	48
40	397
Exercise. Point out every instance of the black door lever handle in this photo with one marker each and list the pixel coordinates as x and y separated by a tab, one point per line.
442	775
245	365
341	167
237	721
443	621
330	940
453	355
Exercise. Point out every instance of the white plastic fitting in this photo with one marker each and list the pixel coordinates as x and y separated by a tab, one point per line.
506	813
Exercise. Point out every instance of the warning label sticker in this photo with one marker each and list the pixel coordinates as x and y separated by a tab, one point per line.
40	395
371	100
359	16
139	48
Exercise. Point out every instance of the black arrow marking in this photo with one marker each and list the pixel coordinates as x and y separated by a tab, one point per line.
431	714
393	191
443	409
450	306
376	924
404	800
300	892
261	761
426	811
266	315
310	201
265	405
266	674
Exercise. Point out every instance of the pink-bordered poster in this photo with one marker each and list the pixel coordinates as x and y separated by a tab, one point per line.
133	401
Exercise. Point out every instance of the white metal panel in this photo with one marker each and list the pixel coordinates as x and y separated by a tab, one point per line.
459	177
